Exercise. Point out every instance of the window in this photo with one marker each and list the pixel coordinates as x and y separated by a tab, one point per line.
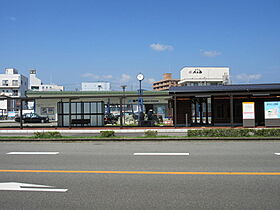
15	92
47	110
5	83
15	83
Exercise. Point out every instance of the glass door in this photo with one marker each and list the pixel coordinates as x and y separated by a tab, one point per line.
201	111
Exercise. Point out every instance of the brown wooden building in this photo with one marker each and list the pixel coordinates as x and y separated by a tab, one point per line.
219	105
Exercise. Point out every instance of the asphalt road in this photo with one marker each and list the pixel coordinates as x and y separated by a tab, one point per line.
107	175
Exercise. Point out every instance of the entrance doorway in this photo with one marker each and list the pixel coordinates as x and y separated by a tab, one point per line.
201	111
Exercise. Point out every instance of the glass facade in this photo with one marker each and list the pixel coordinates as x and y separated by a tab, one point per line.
80	114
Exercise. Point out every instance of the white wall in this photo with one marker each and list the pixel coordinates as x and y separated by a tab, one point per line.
22	83
3	104
204	74
33	80
96	86
50	88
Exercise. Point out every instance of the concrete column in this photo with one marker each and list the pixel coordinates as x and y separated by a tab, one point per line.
121	113
231	111
21	125
175	111
70	116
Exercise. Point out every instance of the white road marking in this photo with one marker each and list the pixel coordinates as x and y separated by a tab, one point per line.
16	186
277	153
32	153
163	154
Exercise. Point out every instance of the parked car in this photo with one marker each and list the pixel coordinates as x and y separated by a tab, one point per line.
110	119
32	118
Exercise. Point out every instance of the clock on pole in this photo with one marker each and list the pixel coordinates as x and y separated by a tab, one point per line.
140	76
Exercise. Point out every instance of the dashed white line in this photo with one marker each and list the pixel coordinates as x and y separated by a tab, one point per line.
277	153
32	153
162	154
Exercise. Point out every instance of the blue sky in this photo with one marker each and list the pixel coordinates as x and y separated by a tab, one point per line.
107	40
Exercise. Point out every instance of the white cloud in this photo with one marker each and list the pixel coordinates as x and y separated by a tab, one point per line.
161	47
151	80
107	76
248	77
125	78
210	53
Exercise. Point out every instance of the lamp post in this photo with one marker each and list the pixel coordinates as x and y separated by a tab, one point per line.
140	77
123	115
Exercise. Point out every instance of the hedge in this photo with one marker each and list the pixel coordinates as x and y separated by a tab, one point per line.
107	133
47	135
242	132
151	133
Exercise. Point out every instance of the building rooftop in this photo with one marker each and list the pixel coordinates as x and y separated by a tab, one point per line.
225	88
38	94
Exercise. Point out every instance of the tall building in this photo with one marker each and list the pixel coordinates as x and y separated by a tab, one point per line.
166	83
200	76
96	86
12	86
36	84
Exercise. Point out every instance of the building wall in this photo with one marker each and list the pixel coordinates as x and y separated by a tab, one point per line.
14	85
33	80
204	75
51	88
37	85
96	86
166	83
46	108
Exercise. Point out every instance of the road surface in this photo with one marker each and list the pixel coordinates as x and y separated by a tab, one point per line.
141	175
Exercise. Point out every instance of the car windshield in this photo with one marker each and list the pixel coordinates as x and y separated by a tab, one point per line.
34	115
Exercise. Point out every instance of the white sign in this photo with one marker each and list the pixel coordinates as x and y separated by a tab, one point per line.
248	110
205	73
16	186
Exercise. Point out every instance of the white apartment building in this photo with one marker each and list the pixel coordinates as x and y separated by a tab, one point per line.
96	86
36	84
12	85
199	76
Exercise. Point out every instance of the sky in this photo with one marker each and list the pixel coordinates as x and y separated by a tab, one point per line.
74	41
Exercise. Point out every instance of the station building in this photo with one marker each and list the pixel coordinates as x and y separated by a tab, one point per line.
222	105
213	105
64	106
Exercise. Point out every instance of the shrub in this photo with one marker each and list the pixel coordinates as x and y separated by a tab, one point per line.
107	133
243	132
150	133
49	134
268	132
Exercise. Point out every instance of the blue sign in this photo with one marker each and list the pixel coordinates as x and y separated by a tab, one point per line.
272	110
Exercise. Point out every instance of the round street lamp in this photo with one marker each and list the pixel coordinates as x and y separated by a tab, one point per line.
140	78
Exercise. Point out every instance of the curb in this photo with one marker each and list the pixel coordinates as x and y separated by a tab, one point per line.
141	139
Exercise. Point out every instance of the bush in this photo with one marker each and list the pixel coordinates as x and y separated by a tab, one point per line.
243	132
107	133
47	134
150	133
268	132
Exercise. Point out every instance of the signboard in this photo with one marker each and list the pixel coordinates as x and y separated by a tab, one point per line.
272	110
12	114
205	73
248	110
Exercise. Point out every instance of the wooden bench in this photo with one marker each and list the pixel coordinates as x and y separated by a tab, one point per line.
80	121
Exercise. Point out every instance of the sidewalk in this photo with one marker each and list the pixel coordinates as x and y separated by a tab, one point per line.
90	130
